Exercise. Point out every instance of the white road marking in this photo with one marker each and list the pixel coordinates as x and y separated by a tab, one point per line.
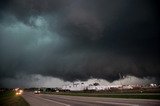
54	101
112	103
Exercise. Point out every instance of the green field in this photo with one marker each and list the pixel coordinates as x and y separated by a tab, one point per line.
114	95
8	98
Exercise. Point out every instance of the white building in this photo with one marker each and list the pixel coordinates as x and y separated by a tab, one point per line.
97	88
78	86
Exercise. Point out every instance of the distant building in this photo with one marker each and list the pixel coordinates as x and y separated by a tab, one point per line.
97	88
79	86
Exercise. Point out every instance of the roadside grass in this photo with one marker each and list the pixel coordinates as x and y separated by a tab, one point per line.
8	98
113	95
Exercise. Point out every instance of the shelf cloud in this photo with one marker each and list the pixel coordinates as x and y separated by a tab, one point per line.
78	39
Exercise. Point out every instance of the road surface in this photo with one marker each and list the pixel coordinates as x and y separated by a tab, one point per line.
60	100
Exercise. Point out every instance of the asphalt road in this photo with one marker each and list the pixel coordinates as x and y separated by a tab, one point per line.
60	100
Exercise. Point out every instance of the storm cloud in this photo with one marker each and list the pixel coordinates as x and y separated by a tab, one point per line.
80	39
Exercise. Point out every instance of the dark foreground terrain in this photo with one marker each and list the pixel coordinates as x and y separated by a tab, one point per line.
9	98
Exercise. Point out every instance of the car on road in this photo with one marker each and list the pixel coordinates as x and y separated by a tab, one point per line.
37	92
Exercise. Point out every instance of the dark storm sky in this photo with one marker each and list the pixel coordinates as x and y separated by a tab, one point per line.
80	39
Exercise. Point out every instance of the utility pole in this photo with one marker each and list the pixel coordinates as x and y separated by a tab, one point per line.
120	76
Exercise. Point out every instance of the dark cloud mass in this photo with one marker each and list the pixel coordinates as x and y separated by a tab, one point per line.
80	39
